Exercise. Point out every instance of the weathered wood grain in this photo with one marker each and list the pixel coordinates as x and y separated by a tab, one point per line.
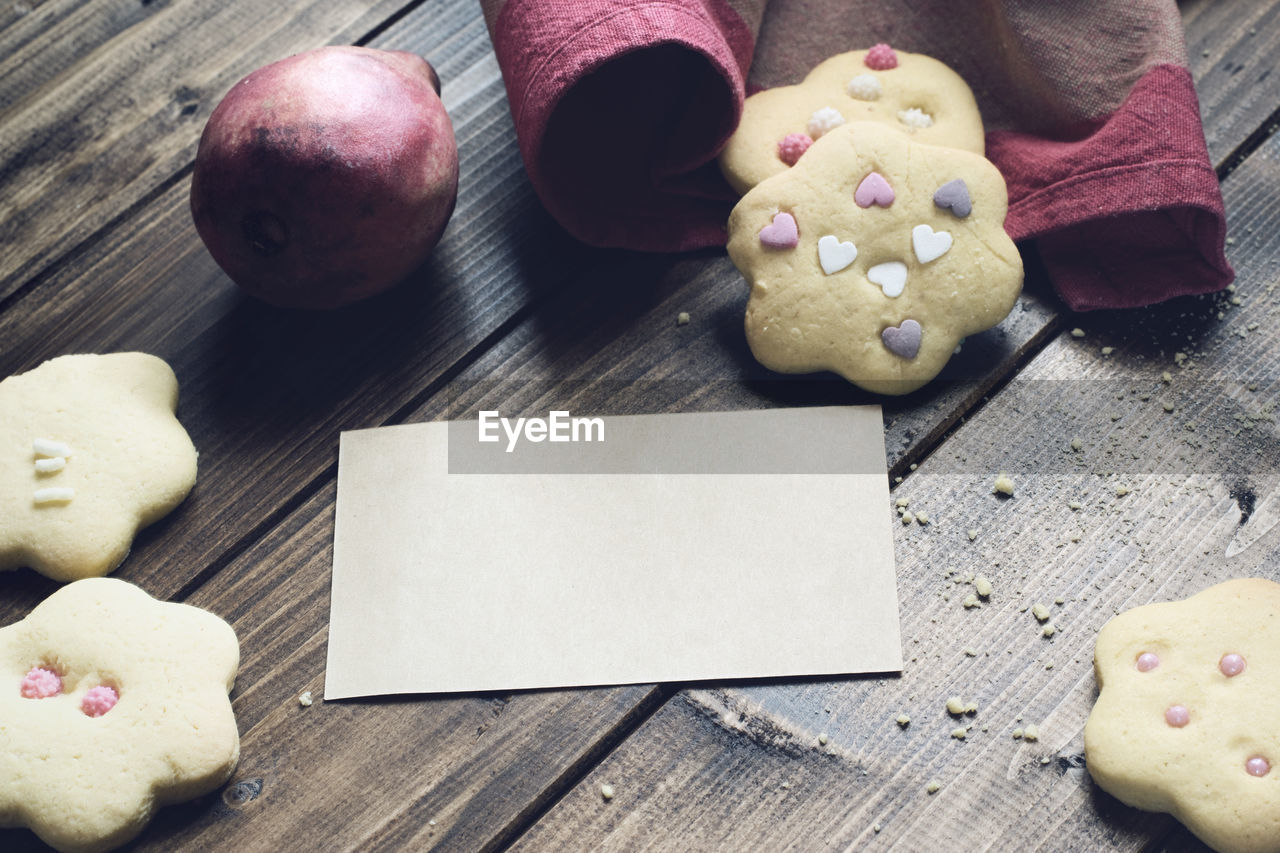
1233	51
265	392
1178	487
102	104
395	773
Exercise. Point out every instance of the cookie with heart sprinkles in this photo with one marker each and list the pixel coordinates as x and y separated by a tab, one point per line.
874	257
909	92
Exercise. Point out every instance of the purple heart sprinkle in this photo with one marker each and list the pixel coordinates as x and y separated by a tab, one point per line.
954	196
903	340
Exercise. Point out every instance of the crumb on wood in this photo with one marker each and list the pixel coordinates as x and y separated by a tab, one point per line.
606	791
933	787
682	319
983	585
305	700
1031	732
1003	484
903	720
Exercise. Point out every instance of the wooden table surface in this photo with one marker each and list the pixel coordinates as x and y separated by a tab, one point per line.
101	106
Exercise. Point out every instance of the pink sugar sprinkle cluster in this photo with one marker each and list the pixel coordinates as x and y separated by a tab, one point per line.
881	58
791	146
40	683
99	700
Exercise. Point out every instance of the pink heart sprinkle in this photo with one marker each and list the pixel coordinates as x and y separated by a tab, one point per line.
1147	661
1177	716
99	700
874	189
1231	665
881	58
782	234
1257	766
903	340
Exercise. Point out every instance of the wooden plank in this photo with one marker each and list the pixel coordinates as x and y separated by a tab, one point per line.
392	773
744	766
101	105
265	392
1234	52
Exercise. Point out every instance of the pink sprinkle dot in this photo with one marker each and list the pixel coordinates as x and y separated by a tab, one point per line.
1258	766
791	146
1147	661
99	700
1177	716
881	58
40	683
1231	665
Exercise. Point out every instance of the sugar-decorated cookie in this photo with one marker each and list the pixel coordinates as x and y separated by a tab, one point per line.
90	452
1186	721
111	704
873	257
909	92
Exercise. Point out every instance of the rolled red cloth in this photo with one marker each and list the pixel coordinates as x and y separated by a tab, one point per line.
620	108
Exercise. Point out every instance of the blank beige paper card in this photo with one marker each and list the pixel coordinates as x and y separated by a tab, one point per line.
491	555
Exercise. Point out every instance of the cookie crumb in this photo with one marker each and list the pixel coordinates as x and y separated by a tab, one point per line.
1040	611
1031	732
933	787
1074	504
907	518
875	827
824	739
682	319
959	732
305	700
969	601
903	720
1049	629
983	586
922	518
1121	491
1017	734
606	791
1077	332
973	534
1076	444
1003	484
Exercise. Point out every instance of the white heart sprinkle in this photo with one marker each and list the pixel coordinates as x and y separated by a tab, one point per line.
891	276
834	255
929	244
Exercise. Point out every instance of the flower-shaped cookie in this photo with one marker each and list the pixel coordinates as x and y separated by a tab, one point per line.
873	257
1186	721
90	452
906	91
111	704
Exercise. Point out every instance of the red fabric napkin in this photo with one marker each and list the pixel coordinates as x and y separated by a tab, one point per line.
620	107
